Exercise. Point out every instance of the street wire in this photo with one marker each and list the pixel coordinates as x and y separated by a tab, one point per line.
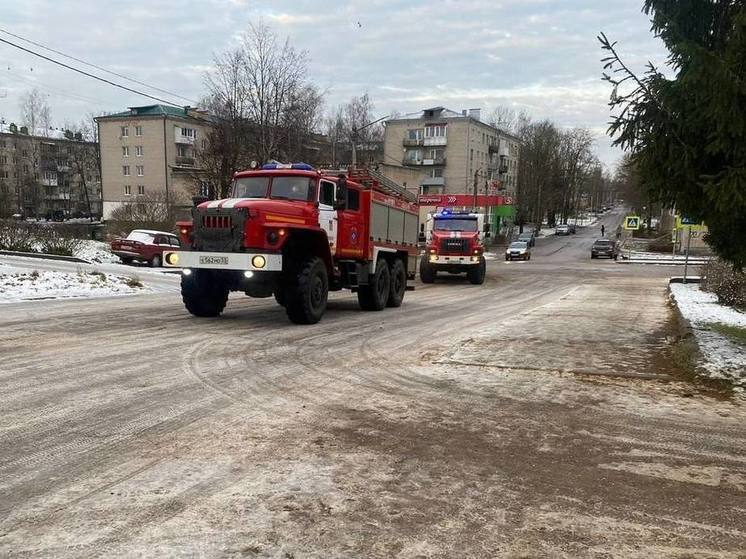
192	101
83	72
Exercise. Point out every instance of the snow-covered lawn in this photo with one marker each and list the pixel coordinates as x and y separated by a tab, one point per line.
723	357
25	286
97	252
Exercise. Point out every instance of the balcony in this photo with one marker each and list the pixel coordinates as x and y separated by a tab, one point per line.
436	161
410	143
436	141
182	161
184	140
424	162
57	196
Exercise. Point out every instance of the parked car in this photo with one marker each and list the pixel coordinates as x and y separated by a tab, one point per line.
519	250
144	246
605	247
527	237
562	229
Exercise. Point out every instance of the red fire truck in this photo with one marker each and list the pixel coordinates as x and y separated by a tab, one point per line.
297	233
455	244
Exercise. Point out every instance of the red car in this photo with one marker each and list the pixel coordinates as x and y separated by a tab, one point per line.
145	246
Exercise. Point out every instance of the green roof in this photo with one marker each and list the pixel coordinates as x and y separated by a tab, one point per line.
151	110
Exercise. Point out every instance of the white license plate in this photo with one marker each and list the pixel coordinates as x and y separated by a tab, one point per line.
213	260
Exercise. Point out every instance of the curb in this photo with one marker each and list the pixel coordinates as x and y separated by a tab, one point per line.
684	326
44	256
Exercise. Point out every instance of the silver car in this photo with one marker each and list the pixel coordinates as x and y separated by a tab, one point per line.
519	250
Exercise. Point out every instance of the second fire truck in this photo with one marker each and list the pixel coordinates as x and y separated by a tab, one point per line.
455	244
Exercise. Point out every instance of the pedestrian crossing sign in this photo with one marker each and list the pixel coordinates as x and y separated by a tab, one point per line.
632	223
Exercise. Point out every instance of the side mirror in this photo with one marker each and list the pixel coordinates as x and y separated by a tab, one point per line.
421	237
422	227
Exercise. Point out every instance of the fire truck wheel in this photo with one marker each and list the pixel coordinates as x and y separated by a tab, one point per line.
476	273
305	301
202	295
398	284
427	272
373	297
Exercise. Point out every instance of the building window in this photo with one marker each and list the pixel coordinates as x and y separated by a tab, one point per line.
138	151
140	170
414	155
181	151
125	131
127	190
415	134
3	159
189	132
436	172
141	189
25	153
126	170
435	131
138	130
437	153
125	151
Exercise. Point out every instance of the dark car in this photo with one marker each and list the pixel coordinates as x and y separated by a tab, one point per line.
145	246
527	238
605	247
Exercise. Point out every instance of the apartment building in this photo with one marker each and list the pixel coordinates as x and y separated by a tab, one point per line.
449	151
48	173
150	153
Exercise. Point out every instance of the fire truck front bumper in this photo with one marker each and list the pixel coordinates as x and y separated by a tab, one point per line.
240	261
459	259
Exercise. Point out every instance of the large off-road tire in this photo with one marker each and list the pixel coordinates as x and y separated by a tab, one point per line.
477	273
307	292
203	294
427	272
398	284
373	297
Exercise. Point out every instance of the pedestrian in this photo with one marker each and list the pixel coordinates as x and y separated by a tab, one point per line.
603	231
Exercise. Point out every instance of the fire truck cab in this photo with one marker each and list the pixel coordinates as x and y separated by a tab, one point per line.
297	233
454	244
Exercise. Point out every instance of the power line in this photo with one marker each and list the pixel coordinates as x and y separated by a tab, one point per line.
79	71
133	80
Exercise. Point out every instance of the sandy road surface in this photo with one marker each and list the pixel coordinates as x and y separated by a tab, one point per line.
529	417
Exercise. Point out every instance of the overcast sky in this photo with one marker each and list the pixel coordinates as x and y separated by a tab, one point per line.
537	55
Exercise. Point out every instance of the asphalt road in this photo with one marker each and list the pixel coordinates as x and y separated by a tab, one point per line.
534	416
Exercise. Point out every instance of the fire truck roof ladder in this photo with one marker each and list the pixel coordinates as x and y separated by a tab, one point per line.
374	179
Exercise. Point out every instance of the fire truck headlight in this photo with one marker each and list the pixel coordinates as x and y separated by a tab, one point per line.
258	261
432	251
172	258
433	258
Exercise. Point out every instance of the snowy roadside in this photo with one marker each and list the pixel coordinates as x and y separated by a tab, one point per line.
18	286
97	252
722	356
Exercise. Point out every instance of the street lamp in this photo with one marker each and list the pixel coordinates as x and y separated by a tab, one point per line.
354	136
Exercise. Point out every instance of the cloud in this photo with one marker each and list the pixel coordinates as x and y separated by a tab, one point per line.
539	55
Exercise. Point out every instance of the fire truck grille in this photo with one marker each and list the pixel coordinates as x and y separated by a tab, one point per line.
454	246
218	231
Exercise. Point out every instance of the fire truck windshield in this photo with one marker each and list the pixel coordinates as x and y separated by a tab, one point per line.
455	224
293	188
251	187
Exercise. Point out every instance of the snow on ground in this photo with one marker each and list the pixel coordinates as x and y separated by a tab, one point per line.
722	356
25	286
96	251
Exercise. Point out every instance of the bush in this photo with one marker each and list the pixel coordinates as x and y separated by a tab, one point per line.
57	240
17	235
724	281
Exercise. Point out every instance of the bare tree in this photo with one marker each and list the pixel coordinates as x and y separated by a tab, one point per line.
35	112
